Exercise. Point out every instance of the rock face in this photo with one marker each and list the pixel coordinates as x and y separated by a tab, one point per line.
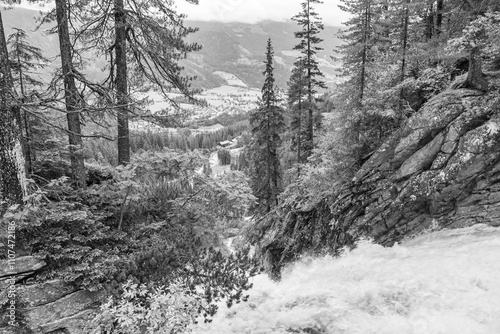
49	307
441	169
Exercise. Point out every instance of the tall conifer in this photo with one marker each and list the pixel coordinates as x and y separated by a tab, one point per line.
358	49
311	25
72	96
12	173
267	123
297	100
24	59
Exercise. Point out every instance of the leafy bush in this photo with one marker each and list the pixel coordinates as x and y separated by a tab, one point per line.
140	309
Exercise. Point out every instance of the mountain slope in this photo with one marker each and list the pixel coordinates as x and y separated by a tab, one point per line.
239	48
236	50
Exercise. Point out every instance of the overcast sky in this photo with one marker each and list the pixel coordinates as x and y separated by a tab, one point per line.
251	11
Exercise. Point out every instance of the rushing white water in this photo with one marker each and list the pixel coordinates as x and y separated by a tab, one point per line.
445	282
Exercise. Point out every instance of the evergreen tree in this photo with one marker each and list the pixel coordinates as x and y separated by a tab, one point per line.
145	41
267	123
24	60
12	172
72	96
358	48
311	25
121	82
297	100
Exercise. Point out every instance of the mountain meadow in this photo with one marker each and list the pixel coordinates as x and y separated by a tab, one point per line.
163	175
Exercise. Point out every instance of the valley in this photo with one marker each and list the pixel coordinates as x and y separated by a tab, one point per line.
260	178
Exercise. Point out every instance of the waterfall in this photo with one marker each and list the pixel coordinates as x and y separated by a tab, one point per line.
442	282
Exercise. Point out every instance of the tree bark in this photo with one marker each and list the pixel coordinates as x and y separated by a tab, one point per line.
310	124
71	96
12	171
439	16
121	84
475	76
364	56
26	137
404	39
429	24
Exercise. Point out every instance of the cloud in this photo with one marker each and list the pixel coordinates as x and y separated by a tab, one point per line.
247	11
251	11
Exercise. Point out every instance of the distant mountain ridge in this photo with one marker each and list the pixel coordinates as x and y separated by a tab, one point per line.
233	53
239	49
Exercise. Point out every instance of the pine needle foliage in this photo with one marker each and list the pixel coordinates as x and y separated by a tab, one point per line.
311	25
267	122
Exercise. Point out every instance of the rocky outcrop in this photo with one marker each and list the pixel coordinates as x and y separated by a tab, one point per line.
18	269
441	169
48	307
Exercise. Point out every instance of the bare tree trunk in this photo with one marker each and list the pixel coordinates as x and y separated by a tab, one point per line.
475	76
268	162
404	38
299	135
439	16
27	142
364	58
72	96
310	124
429	21
121	84
26	137
12	171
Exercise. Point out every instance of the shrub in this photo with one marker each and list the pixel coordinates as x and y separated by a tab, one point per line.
140	309
150	223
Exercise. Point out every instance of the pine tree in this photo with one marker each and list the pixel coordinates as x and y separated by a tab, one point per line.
145	41
72	96
24	59
311	25
12	172
267	123
121	82
297	100
358	48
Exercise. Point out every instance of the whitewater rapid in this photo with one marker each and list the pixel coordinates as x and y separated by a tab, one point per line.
445	282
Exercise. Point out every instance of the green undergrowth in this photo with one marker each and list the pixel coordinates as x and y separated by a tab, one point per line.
152	222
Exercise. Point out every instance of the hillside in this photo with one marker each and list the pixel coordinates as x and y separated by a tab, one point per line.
230	56
239	49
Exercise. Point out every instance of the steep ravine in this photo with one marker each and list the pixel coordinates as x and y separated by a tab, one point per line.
442	168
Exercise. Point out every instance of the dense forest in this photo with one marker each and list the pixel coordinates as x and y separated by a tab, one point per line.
139	217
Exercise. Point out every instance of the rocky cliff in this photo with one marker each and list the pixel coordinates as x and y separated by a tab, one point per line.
441	169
